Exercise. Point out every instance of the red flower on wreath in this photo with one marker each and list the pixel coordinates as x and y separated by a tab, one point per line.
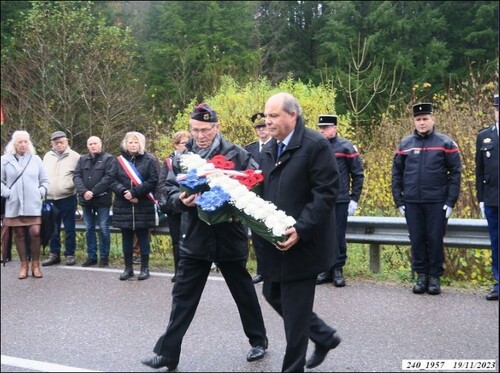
219	161
250	179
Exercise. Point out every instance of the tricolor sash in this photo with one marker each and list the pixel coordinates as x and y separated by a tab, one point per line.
134	175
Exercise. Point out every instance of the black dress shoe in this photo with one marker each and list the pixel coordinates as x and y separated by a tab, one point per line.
320	353
338	278
158	362
420	286
324	278
256	353
257	279
493	295
434	287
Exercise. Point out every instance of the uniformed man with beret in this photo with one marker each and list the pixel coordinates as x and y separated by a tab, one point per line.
259	123
487	188
202	244
350	187
426	173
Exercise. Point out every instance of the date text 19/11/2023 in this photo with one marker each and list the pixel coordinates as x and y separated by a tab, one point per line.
449	365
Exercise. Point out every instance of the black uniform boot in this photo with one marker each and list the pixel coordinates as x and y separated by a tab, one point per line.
434	285
421	286
324	277
338	277
129	269
144	268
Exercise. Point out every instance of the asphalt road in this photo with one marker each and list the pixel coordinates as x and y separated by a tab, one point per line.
81	319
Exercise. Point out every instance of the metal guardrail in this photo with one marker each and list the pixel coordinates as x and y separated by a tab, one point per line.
377	231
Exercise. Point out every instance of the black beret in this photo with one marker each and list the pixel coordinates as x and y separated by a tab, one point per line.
204	113
258	118
327	120
422	108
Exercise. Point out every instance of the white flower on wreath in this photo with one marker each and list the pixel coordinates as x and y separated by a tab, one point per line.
276	221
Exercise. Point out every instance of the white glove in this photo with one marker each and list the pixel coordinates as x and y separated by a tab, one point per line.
448	210
402	211
481	207
353	205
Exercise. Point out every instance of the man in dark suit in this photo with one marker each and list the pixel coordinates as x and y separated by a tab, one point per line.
259	123
487	188
302	180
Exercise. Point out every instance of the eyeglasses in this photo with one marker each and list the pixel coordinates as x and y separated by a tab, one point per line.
260	126
181	143
202	131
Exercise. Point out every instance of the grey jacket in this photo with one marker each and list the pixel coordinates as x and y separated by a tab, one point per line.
24	198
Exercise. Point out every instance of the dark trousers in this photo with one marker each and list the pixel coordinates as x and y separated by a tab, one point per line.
294	300
191	278
67	209
258	247
427	227
174	226
128	241
341	212
491	213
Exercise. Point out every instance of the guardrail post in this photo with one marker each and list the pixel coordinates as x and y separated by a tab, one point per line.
374	258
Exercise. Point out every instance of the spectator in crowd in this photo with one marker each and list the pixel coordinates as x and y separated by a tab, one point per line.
301	178
350	187
92	178
60	162
134	182
259	123
24	183
426	174
487	188
201	244
179	139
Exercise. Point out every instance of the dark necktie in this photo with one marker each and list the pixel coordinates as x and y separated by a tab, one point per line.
281	147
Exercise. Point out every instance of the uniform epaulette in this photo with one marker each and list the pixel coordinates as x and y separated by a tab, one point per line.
484	129
253	142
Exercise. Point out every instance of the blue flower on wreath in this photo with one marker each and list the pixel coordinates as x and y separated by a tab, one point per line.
192	180
213	199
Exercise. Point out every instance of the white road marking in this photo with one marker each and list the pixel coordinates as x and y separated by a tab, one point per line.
40	365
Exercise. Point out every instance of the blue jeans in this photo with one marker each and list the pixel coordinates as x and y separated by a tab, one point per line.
67	209
491	213
91	217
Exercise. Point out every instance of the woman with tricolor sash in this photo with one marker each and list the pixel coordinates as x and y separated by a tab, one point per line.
134	183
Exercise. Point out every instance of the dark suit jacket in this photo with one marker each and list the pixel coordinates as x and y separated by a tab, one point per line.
304	183
487	166
253	148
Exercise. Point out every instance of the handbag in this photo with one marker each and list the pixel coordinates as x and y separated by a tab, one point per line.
4	199
49	222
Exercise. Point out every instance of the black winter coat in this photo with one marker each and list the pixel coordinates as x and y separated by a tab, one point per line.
304	183
135	215
218	242
350	169
426	169
94	174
